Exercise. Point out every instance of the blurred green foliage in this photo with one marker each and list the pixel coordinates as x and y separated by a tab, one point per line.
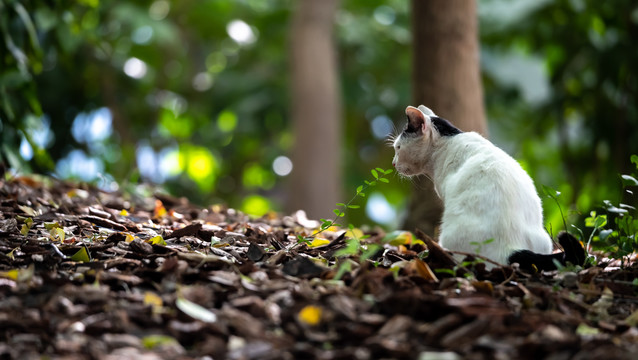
197	93
580	137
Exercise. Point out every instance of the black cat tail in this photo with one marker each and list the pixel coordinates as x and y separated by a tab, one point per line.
533	262
573	253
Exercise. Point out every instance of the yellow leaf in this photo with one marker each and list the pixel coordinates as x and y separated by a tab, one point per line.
10	254
58	234
19	274
417	241
11	274
24	230
124	212
157	240
129	238
632	320
318	242
153	300
153	341
354	233
330	229
51	225
485	287
586	330
397	238
81	255
310	315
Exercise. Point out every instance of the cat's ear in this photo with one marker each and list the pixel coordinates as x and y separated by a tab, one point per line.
416	120
426	110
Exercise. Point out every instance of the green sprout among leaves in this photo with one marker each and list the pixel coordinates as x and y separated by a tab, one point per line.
353	245
378	174
620	240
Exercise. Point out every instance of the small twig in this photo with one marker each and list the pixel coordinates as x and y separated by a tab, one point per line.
509	278
477	256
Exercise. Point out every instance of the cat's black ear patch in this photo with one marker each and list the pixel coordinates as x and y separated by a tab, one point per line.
416	119
444	127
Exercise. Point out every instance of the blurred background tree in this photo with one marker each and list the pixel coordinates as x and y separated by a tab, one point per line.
315	110
445	76
194	95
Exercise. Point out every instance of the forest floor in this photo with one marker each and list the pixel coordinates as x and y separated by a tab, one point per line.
86	274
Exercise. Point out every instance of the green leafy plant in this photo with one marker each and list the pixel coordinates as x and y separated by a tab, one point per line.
479	245
353	244
620	241
378	174
554	195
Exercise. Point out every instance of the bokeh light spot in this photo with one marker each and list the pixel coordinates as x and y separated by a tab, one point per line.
159	9
379	209
381	126
227	121
384	15
282	166
135	68
202	81
142	35
240	32
255	205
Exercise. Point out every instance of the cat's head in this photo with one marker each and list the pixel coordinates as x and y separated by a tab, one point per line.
413	146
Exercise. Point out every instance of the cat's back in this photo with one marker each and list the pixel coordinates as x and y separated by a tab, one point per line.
474	164
488	195
472	155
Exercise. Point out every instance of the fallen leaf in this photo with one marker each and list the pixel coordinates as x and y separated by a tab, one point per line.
310	315
81	255
157	240
20	275
153	341
195	311
160	210
152	299
58	234
424	270
586	330
486	287
27	210
10	274
355	233
10	254
318	242
51	225
398	237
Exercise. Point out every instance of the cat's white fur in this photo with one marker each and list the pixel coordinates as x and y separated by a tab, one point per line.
485	192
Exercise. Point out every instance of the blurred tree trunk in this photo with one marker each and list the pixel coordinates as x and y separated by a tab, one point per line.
315	110
446	78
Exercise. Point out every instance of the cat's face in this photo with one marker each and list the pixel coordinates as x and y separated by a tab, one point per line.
412	146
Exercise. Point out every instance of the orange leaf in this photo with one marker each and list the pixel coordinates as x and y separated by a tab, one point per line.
424	270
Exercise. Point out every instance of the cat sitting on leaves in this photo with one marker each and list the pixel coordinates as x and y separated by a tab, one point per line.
485	192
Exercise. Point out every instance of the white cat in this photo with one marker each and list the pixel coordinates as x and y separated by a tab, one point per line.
485	192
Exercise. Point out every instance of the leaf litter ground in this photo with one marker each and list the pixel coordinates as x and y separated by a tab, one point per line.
86	274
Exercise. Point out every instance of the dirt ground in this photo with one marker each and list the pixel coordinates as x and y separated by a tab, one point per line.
86	274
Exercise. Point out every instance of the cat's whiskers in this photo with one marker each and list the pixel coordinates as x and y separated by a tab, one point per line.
390	139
